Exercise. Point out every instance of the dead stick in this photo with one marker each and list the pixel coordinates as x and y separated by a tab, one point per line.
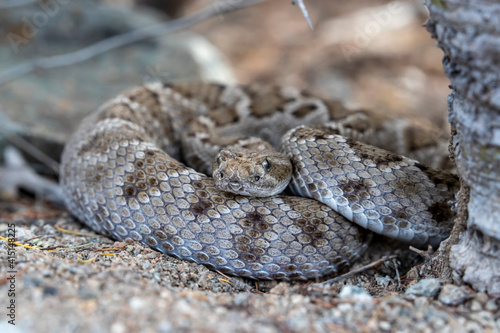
359	270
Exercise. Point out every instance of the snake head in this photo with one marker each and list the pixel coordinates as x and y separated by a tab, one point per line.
245	172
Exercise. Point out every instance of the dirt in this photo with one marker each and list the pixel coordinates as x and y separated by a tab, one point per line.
62	277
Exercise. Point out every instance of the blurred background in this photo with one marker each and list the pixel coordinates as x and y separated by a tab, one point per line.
56	63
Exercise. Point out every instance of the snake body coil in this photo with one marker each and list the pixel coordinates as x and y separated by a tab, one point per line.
122	176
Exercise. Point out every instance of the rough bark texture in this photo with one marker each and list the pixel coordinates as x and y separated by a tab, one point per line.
468	31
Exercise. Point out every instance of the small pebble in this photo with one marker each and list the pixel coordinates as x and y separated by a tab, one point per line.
47	273
421	301
240	299
484	318
425	287
355	292
482	297
86	292
136	303
453	295
345	307
39	223
473	327
384	325
476	306
383	280
145	264
491	306
164	327
49	291
118	327
31	281
300	324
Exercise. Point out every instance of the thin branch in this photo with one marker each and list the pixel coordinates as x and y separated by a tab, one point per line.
127	38
30	149
18	174
303	8
425	254
7	4
359	270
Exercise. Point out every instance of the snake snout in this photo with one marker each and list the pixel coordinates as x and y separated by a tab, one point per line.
235	186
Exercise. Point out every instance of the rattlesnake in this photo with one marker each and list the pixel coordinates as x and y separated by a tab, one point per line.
122	176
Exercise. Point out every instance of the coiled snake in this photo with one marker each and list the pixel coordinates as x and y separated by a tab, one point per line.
122	176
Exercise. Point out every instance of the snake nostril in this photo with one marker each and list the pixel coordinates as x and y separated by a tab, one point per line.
221	175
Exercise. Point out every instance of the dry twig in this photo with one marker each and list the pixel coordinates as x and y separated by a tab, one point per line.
303	8
33	151
359	270
114	42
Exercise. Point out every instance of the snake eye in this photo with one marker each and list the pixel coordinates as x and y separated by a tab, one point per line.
257	178
267	165
219	160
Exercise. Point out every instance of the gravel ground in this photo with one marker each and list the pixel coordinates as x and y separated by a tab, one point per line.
76	281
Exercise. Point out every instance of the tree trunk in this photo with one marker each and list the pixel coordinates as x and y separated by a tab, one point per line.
468	31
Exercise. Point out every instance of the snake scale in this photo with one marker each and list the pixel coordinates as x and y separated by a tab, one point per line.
122	175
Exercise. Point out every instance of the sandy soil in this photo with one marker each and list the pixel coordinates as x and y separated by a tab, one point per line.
68	279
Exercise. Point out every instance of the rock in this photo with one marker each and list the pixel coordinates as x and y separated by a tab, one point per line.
355	293
50	291
484	318
383	280
491	306
425	287
475	306
453	295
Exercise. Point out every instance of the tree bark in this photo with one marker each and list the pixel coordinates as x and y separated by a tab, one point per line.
468	31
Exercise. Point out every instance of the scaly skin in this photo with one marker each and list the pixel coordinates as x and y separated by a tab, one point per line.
122	177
